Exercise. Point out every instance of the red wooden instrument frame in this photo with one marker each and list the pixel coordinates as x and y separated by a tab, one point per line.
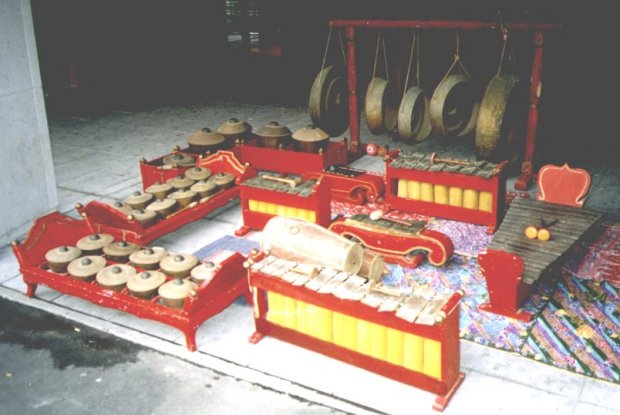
319	201
357	190
289	160
396	248
102	217
496	185
503	272
350	27
55	229
446	332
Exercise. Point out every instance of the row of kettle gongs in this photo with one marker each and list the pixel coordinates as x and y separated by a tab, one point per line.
454	109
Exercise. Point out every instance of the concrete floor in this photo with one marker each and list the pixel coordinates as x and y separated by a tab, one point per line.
60	367
96	157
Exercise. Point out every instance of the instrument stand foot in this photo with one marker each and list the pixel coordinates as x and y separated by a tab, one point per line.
256	337
242	231
442	400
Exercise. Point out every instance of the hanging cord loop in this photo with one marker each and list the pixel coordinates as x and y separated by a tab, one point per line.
507	51
329	37
417	64
374	66
457	59
381	44
385	59
344	55
503	53
414	48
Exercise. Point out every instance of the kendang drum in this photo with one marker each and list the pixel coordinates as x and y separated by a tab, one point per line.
299	240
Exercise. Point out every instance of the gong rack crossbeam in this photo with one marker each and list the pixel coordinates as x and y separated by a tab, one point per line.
350	27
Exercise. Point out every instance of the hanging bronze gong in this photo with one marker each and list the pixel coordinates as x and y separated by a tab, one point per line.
454	106
501	112
328	103
414	124
381	106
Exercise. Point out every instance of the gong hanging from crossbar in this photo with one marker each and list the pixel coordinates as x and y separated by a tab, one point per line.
328	103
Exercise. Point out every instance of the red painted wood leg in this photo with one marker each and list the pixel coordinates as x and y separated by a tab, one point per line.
31	288
525	178
532	118
242	231
442	400
507	291
248	297
190	339
256	337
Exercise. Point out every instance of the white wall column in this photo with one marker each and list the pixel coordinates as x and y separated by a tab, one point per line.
27	181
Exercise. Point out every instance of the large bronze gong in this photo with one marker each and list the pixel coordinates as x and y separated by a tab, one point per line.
501	112
328	103
414	123
454	106
381	106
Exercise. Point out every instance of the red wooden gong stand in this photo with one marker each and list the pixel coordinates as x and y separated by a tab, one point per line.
350	26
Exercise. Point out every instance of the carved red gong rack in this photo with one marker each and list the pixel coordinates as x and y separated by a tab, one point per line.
102	217
350	27
289	160
50	231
